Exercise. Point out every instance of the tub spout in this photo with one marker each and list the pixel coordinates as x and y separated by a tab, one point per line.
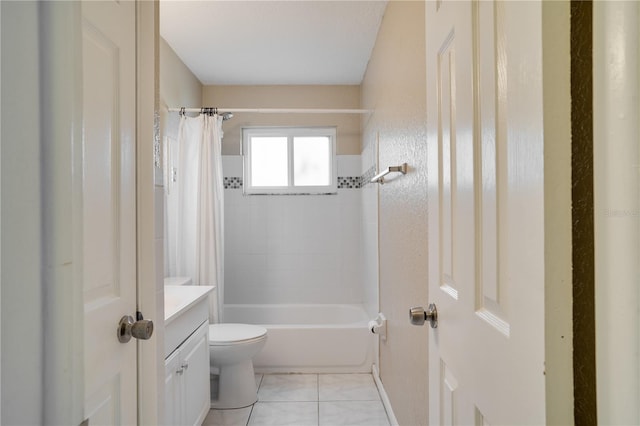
379	326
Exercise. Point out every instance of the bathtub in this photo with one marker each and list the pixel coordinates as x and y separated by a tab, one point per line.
309	338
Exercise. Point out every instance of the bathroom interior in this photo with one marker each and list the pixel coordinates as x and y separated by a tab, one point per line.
328	277
377	260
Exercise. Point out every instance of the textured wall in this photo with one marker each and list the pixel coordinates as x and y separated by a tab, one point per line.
348	125
394	85
178	86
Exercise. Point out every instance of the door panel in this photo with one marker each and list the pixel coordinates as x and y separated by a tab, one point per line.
451	195
486	269
447	148
489	91
109	207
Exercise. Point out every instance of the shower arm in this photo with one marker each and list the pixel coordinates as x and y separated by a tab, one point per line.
379	178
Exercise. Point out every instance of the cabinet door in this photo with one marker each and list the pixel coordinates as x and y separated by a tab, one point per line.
173	389
195	360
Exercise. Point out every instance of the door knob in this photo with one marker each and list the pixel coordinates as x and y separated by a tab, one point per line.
128	328
417	315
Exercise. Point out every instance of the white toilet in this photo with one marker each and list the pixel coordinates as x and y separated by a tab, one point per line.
231	349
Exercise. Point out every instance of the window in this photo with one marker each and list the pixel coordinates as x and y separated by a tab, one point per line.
289	160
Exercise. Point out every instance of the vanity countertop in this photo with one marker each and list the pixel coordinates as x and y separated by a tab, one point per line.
178	299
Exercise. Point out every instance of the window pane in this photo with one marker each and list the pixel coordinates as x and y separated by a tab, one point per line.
269	161
311	160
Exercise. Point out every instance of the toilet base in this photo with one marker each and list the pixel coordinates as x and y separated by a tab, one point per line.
236	387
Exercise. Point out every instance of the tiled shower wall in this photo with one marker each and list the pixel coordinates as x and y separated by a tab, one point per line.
297	248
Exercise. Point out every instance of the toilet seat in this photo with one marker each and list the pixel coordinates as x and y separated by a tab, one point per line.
231	334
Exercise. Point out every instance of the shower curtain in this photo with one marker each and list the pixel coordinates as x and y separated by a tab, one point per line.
195	234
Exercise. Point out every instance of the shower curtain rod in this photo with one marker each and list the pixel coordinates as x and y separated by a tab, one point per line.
281	110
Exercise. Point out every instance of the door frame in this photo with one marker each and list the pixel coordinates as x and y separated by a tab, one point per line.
0	222
150	218
22	290
61	195
558	320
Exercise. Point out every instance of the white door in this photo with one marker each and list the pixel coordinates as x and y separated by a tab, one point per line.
486	264
109	208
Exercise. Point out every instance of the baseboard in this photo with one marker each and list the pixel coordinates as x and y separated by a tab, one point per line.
383	395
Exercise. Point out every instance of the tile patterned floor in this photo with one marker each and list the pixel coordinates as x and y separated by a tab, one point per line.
308	399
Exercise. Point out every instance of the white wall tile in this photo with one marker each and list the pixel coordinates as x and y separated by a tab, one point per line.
232	165
349	165
294	249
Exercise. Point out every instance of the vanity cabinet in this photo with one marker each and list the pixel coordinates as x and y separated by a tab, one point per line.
186	351
187	386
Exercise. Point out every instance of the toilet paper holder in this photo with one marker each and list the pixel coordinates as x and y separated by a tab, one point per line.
379	326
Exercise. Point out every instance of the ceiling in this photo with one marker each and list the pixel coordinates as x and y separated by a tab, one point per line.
267	42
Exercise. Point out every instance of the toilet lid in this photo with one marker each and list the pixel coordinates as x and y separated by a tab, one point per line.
224	334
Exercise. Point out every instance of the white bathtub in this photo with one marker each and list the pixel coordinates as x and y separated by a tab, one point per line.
309	338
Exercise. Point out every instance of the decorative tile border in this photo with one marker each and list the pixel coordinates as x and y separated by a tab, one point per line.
344	182
349	182
232	182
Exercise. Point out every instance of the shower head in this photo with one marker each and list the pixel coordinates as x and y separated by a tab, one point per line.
227	116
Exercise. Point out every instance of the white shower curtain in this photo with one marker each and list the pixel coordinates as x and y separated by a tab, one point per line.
195	233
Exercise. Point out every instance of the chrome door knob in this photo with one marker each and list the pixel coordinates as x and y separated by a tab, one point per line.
142	329
128	328
418	316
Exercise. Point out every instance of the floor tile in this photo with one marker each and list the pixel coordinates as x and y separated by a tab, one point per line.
258	379
352	413
347	387
284	414
238	417
288	387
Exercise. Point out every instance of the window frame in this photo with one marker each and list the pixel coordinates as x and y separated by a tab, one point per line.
289	133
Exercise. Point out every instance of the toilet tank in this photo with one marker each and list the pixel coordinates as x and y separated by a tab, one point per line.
177	281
